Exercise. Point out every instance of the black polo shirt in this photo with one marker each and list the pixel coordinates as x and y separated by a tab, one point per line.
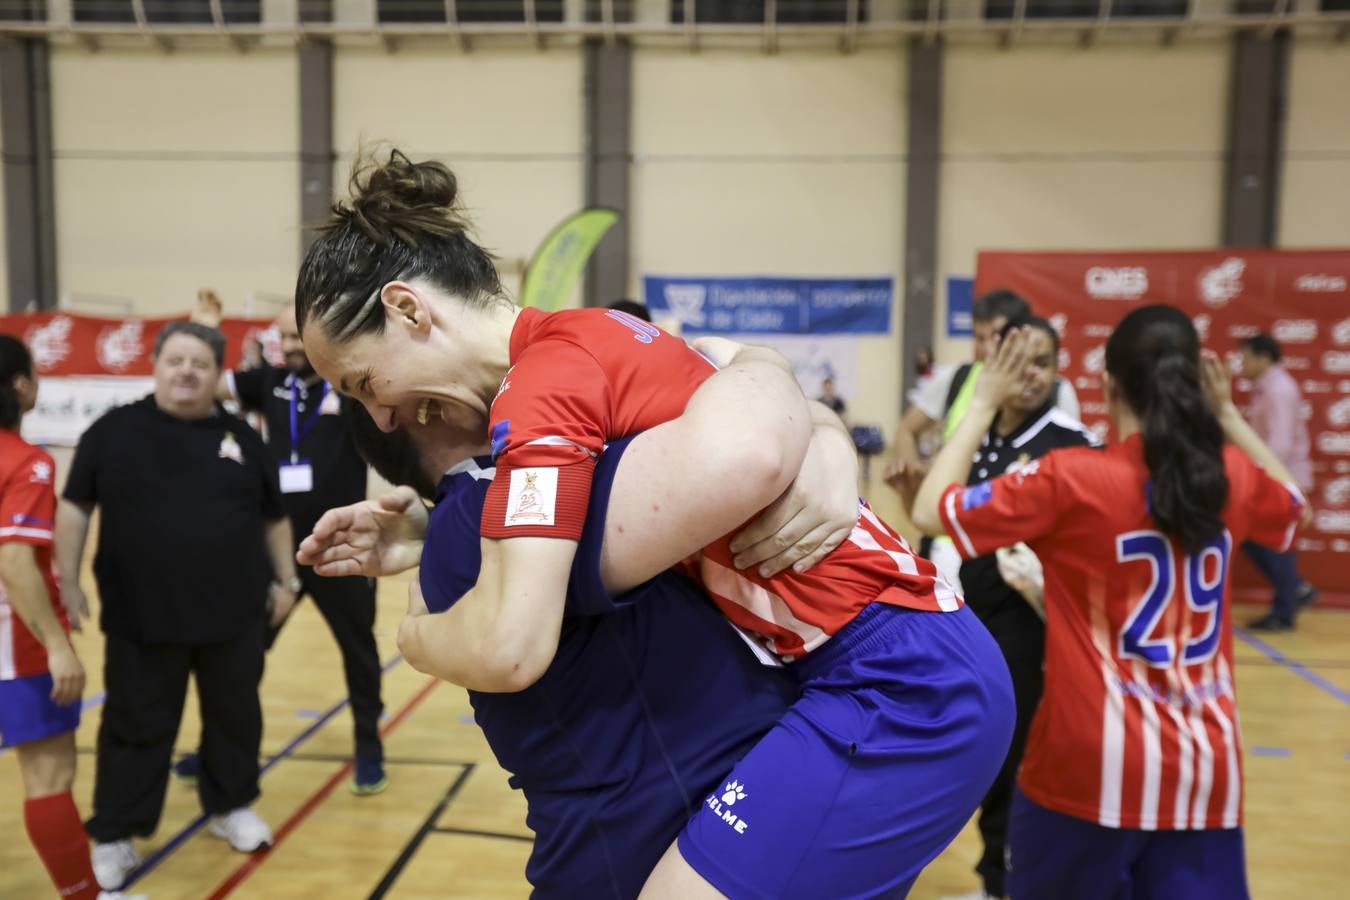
183	509
339	474
1049	428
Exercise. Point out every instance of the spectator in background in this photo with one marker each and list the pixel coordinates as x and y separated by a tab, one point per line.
633	308
319	469
943	401
191	531
1276	415
41	678
833	401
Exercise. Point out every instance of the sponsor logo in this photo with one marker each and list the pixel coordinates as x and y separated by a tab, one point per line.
1317	387
1341	467
1094	360
1340	332
1121	283
1059	322
533	497
1306	545
1337	492
119	347
230	449
1343	386
1222	283
1338	413
1334	521
1340	546
1202	323
1242	331
1064	358
1094	409
1234	360
1298	363
1336	362
686	302
1320	284
1295	331
1334	442
1097	330
49	344
722	804
1084	383
41	474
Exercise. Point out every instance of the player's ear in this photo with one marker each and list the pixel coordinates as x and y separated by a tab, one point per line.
405	304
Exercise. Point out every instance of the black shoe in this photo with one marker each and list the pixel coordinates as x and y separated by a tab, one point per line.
188	767
1270	622
1306	596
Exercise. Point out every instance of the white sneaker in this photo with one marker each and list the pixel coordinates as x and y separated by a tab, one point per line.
242	827
113	862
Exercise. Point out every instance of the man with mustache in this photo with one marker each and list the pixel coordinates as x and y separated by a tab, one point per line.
177	600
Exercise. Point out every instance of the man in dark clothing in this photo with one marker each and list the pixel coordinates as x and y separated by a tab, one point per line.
191	534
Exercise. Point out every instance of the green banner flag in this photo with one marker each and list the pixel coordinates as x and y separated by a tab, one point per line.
557	264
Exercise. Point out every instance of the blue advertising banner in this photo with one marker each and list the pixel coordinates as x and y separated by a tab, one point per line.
960	292
773	305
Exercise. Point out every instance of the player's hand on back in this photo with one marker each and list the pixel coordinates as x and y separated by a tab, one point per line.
814	516
373	538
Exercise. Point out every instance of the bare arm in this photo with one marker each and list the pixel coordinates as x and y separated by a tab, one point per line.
27	594
687	482
1218	389
72	532
279	549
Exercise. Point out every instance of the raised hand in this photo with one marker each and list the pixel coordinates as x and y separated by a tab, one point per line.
372	538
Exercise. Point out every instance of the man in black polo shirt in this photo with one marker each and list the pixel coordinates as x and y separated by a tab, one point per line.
1026	428
191	530
319	470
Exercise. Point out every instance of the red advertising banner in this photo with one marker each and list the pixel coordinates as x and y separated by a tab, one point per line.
65	344
1301	298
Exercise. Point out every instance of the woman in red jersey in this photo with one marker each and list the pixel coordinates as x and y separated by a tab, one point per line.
1132	781
905	710
41	678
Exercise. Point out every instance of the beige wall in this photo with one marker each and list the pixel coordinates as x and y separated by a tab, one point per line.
175	171
1315	193
747	164
508	122
1111	147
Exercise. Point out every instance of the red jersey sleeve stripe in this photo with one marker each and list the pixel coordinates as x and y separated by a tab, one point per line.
31	534
947	511
763	604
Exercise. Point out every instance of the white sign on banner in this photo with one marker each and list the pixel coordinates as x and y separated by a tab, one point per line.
815	358
66	406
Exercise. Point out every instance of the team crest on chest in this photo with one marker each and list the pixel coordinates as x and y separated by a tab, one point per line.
230	449
533	497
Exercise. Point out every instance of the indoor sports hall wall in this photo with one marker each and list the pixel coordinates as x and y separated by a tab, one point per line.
1315	193
174	171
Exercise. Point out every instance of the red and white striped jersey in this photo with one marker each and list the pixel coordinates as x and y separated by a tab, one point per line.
582	377
1138	724
27	515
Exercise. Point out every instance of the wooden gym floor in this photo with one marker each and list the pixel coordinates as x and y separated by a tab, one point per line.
449	827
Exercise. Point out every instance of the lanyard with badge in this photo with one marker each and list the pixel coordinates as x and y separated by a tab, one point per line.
297	476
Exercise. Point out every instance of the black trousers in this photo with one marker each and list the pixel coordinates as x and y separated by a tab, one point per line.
348	606
146	686
1020	634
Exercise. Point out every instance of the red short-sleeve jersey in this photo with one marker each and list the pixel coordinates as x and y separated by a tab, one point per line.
581	377
28	516
1137	727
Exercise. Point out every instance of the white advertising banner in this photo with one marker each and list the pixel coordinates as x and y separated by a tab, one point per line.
67	405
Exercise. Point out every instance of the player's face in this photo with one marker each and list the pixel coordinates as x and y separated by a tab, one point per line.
1039	377
405	376
986	337
1253	366
185	377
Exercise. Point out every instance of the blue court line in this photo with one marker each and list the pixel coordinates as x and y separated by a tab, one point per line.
1269	751
1296	667
151	862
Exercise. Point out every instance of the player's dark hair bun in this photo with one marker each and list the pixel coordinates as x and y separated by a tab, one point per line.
399	199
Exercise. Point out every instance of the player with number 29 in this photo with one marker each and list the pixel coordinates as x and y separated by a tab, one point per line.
1132	781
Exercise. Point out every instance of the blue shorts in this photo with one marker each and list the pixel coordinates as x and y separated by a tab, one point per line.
904	720
27	712
1055	855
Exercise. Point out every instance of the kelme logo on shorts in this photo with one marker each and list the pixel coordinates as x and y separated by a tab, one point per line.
733	793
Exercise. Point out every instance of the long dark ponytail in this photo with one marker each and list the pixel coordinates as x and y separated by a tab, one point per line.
15	360
1153	356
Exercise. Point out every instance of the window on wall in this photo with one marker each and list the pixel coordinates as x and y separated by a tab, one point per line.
734	12
1086	9
23	10
167	12
1335	5
468	10
623	11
